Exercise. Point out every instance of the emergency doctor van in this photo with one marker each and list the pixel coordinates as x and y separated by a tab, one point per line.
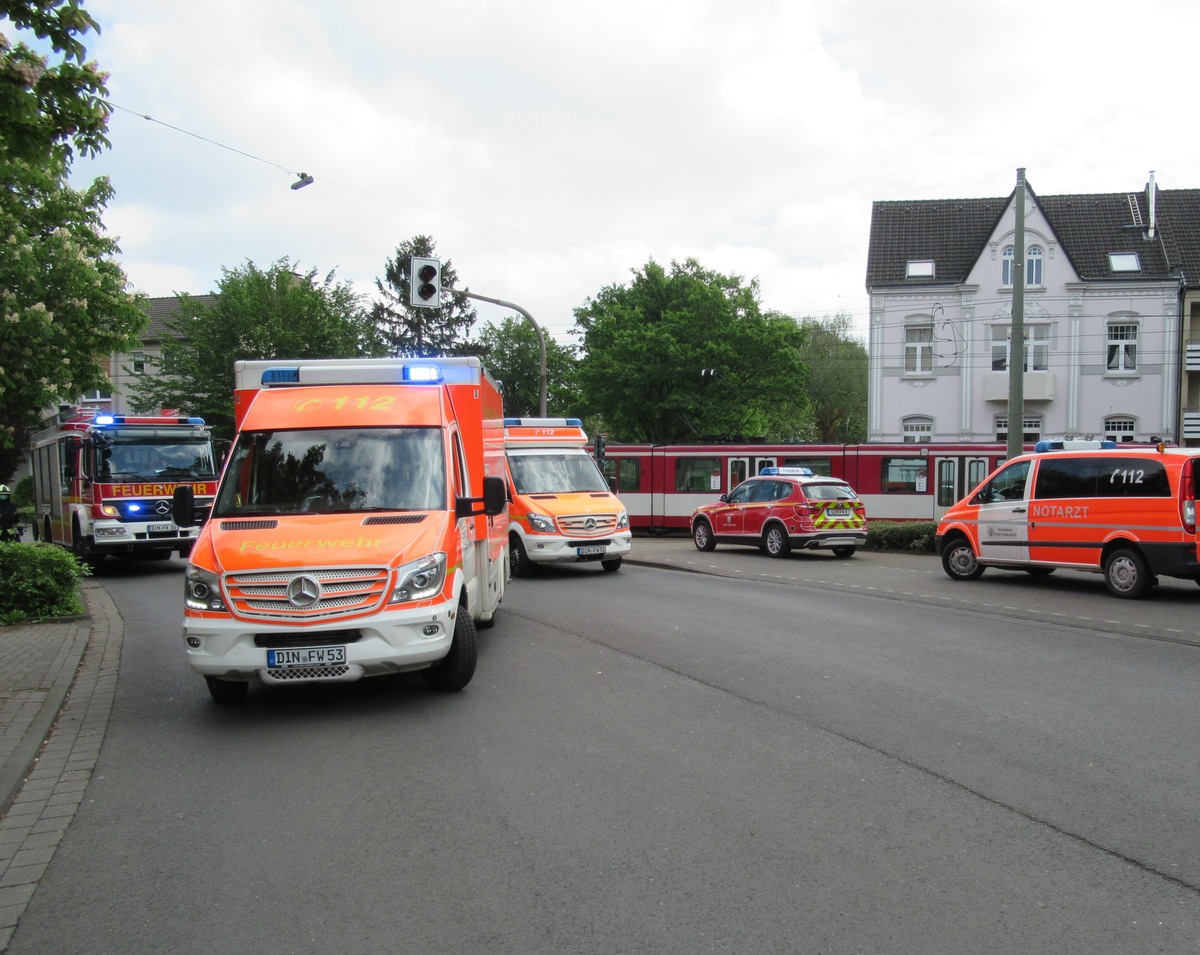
561	508
359	528
1126	513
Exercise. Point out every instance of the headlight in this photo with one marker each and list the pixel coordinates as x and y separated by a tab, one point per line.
541	523
420	579
623	521
109	510
202	590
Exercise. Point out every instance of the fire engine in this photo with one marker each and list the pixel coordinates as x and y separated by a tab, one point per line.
103	484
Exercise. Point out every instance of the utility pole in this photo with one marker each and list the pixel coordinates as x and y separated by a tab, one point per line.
1016	342
537	328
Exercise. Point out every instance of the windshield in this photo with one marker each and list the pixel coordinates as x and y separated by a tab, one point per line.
154	457
555	472
334	469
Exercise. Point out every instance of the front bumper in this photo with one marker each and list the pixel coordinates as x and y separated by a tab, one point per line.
551	548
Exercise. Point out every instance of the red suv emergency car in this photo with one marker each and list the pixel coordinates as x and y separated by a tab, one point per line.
783	508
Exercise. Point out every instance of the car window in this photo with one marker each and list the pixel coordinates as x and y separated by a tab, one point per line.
741	493
765	491
829	492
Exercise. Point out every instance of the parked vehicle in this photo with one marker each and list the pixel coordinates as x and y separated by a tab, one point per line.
360	527
1126	513
561	508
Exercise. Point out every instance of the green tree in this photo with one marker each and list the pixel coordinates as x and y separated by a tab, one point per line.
64	299
510	351
688	353
272	313
418	331
837	382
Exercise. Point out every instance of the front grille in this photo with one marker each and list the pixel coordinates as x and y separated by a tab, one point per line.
305	673
344	590
577	524
307	638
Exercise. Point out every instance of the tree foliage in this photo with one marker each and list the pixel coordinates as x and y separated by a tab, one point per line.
65	302
688	354
255	314
837	380
510	351
419	331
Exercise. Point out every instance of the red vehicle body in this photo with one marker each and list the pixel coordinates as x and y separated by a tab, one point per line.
661	485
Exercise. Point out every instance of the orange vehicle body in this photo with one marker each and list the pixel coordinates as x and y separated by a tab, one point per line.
560	507
103	484
1126	513
359	529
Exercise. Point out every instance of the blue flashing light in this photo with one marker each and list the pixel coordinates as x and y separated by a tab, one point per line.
281	376
134	508
195	421
104	419
574	423
794	472
1059	445
423	374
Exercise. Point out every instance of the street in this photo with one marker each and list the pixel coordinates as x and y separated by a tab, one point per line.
762	756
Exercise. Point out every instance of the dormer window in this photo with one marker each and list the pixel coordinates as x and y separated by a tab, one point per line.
920	269
1124	262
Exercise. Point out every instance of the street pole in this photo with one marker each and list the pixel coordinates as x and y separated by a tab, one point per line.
541	339
1016	342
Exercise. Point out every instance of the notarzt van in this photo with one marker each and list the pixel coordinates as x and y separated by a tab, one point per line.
1128	513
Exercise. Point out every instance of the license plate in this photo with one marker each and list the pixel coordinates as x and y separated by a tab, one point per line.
596	550
161	528
305	657
838	513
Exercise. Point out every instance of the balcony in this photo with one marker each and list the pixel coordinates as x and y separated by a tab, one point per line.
1038	386
1191	356
1191	426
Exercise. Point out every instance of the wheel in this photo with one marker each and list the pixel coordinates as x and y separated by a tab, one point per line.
84	547
702	536
958	560
227	691
518	559
1126	574
775	541
611	565
455	669
846	550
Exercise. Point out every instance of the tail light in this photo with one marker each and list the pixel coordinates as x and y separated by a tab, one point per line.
1187	495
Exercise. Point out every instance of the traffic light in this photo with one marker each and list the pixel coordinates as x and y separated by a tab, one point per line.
599	446
425	282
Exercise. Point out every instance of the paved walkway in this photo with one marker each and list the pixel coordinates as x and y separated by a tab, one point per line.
57	685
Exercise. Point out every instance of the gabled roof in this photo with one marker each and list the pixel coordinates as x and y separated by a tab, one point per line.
953	233
162	309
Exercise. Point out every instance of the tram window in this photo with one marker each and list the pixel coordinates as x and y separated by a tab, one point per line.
904	475
623	474
696	475
822	467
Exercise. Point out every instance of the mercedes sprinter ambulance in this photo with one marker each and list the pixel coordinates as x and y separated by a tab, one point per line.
1126	513
359	528
561	507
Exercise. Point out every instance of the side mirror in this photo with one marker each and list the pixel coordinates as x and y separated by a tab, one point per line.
183	506
495	495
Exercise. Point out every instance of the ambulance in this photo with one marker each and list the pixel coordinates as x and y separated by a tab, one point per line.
360	526
103	484
561	508
1126	513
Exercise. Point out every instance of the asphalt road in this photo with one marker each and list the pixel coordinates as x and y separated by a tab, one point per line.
745	759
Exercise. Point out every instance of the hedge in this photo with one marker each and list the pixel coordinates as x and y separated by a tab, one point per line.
39	580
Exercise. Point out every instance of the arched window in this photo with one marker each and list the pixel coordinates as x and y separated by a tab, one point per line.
918	429
1120	427
1033	266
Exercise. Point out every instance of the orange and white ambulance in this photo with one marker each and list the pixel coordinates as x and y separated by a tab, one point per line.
561	506
1126	513
360	527
103	483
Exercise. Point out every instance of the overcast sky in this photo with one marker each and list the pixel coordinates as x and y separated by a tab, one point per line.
551	146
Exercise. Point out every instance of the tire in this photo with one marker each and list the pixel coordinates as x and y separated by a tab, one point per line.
455	669
1126	574
775	541
227	691
518	558
959	561
702	536
611	565
847	550
84	547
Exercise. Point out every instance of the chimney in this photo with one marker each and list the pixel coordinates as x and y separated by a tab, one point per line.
1151	196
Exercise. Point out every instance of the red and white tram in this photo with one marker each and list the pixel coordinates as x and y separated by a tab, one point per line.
660	485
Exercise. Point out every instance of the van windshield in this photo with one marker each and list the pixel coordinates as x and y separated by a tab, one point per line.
334	470
555	472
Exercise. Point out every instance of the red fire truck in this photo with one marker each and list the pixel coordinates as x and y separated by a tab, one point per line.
102	484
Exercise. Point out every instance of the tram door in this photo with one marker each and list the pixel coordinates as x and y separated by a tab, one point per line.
738	469
956	478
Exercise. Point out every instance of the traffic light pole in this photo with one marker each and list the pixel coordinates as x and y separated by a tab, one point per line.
537	328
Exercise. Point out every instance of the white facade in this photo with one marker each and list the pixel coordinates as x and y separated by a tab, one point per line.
1101	357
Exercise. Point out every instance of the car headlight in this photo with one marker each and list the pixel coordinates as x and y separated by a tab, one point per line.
202	590
623	520
420	580
541	523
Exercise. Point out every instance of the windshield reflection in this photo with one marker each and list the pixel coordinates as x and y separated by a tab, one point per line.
555	473
333	470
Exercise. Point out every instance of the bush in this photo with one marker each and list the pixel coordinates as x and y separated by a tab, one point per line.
901	535
39	580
